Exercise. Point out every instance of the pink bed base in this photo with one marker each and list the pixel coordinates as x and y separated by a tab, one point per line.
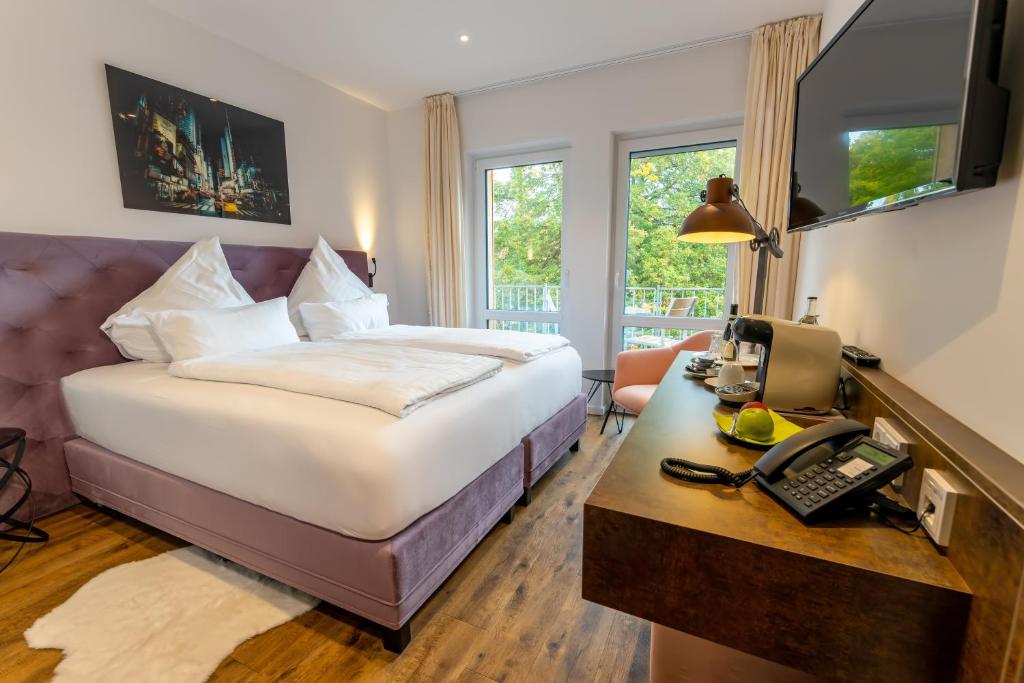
384	581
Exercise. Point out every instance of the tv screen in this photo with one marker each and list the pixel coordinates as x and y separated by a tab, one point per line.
884	115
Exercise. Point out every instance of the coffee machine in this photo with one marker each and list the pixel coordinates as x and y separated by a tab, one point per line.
798	370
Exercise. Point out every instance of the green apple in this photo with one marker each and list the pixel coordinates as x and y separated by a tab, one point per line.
756	424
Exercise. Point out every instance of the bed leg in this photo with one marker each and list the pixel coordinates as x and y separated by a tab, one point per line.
575	447
526	498
396	640
509	515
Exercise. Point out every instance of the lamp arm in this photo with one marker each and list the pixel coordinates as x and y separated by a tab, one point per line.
763	239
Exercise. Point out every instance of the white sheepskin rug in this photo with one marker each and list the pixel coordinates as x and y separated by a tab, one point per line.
173	617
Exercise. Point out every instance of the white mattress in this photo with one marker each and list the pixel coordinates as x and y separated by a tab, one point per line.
342	466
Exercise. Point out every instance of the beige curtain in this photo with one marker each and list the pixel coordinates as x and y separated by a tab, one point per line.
446	287
779	53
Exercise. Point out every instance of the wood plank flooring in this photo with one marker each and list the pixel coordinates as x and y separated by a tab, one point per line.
511	612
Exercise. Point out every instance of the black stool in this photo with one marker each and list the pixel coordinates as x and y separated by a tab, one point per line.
10	436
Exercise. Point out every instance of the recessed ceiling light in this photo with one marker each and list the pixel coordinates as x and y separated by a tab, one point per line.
464	38
213	99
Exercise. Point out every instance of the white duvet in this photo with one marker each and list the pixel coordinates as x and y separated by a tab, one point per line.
395	379
510	345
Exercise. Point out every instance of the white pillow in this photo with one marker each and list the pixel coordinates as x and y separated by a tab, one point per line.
200	279
211	332
325	278
333	319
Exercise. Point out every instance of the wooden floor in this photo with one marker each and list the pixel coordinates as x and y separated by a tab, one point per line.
511	612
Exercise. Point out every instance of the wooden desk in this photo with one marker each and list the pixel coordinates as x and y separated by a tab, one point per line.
849	599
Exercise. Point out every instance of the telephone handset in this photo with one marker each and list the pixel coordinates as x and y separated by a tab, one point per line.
822	469
804	446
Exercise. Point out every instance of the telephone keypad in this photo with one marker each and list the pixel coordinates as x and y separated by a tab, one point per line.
820	482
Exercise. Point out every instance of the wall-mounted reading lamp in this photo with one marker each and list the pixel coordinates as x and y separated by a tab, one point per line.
370	275
722	217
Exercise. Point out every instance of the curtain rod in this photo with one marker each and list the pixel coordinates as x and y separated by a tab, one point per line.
635	57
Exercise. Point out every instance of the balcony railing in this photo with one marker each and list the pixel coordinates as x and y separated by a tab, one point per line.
527	298
710	301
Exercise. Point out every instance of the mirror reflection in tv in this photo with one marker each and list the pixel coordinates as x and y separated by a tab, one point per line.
892	164
880	120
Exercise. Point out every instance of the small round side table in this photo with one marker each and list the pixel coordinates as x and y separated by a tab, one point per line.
607	378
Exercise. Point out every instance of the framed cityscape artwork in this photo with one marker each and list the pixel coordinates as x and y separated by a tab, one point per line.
186	153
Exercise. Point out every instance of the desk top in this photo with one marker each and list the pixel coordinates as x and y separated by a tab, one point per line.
677	423
735	567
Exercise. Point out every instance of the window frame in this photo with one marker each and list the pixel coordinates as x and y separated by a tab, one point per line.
625	149
480	313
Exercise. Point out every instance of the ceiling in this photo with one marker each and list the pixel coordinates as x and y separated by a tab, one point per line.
393	52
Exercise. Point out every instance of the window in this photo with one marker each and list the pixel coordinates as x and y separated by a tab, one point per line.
521	213
668	289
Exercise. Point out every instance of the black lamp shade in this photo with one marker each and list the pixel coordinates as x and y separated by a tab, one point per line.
719	219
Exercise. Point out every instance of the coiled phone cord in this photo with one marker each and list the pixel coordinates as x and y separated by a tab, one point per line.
698	473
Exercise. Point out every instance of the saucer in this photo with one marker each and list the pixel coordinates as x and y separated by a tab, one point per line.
747	360
737	394
699	373
713	383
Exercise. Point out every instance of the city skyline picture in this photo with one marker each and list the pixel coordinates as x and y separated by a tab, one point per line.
181	152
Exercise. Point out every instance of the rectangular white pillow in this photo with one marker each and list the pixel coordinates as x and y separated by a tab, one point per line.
199	279
335	318
325	278
187	334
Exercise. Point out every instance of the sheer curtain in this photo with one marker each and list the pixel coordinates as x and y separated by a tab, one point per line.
446	286
779	53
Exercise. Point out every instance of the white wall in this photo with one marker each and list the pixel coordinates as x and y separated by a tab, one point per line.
585	112
937	290
58	169
408	215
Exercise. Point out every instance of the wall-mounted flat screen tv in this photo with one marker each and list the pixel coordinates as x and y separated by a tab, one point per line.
901	106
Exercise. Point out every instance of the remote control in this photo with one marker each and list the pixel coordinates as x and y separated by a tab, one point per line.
859	356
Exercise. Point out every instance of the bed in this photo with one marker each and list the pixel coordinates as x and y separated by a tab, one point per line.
379	553
348	468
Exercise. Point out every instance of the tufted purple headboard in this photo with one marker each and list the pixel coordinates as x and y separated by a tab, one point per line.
54	294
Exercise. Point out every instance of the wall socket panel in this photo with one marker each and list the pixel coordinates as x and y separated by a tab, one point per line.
888	433
941	493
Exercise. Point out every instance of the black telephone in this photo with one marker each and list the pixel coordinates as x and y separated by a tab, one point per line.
821	470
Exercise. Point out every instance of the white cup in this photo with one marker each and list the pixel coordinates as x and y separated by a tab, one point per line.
731	373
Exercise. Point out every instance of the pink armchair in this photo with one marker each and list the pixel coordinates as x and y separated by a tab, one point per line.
637	373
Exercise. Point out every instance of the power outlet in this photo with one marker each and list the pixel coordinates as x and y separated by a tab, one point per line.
892	436
942	495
